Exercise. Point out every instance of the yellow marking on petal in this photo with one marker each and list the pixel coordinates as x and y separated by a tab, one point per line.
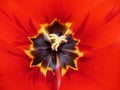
28	52
68	24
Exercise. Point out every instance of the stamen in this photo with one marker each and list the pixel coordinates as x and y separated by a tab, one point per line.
56	41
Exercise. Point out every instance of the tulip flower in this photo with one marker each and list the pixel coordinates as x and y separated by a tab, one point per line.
59	44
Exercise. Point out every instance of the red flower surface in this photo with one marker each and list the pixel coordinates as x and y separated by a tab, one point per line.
95	22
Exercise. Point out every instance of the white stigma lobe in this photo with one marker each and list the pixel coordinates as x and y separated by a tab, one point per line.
56	41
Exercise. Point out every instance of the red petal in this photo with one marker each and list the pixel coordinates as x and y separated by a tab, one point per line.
16	25
101	72
65	10
103	29
15	73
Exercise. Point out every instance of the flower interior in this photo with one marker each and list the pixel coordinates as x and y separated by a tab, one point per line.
54	43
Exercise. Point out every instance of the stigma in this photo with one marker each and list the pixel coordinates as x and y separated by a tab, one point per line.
56	41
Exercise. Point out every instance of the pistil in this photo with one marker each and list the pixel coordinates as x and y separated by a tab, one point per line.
56	41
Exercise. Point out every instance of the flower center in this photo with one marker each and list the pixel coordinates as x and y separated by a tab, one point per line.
54	43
